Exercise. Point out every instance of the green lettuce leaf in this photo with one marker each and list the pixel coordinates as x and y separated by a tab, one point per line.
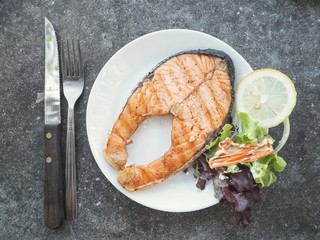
262	174
232	169
250	131
225	132
212	146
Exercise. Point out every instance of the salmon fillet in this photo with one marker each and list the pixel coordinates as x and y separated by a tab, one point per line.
196	88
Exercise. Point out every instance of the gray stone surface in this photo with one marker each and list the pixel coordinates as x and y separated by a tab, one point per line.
278	34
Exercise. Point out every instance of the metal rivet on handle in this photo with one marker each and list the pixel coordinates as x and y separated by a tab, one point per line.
49	135
49	159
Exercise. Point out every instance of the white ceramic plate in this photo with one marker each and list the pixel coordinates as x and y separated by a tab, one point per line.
113	86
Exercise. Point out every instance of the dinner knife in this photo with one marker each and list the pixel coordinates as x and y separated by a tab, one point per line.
53	194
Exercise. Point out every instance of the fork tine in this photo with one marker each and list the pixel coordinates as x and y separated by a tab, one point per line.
69	66
64	60
74	62
71	58
80	60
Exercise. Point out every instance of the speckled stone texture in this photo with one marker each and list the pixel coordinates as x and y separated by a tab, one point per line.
278	34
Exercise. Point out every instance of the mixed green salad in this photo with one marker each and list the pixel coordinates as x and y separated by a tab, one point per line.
236	182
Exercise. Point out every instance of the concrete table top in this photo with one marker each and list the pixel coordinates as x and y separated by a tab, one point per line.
277	34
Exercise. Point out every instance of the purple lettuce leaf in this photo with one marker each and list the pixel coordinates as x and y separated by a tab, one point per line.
203	172
243	182
233	188
238	201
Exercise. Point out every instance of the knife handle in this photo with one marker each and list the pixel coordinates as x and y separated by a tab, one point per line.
53	192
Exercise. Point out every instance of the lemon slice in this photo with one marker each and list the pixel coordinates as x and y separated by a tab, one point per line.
266	95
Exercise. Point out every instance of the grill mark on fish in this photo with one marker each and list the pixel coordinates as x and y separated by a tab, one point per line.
177	76
209	105
191	71
219	97
157	107
162	93
215	102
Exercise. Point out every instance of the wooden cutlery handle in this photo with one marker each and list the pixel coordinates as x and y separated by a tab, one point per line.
53	192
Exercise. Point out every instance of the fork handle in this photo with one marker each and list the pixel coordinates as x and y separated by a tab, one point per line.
53	191
71	200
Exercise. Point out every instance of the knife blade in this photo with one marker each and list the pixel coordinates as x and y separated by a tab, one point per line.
53	192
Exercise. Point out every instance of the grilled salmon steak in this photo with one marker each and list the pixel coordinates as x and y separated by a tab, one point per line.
196	88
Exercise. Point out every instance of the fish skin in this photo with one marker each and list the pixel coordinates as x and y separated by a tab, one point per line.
138	177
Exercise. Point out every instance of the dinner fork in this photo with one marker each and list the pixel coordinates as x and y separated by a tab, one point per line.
73	83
